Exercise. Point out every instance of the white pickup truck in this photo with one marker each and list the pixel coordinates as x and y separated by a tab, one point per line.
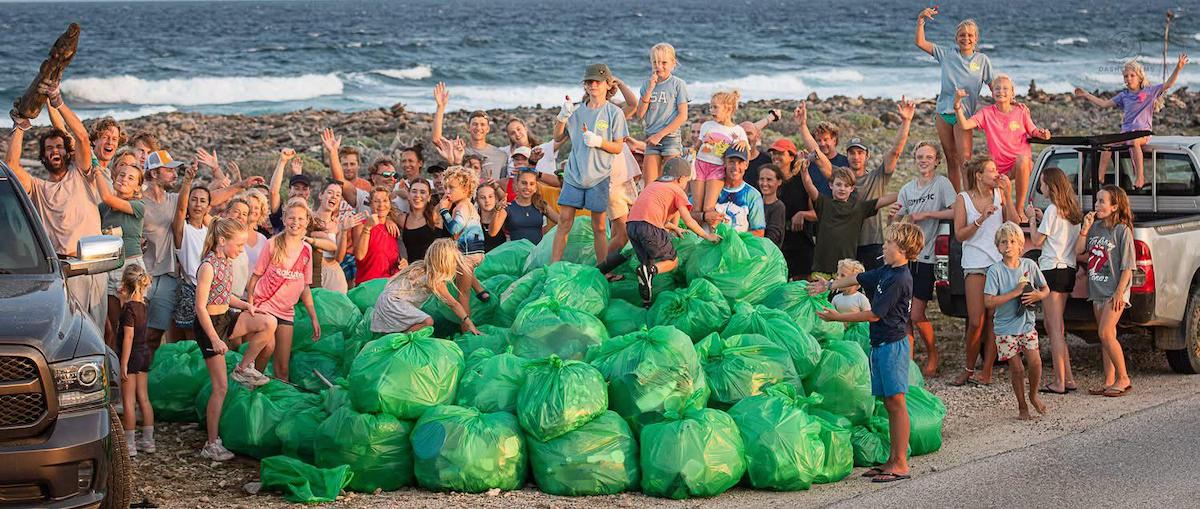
1165	296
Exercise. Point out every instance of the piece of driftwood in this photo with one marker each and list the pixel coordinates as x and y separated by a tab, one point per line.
30	103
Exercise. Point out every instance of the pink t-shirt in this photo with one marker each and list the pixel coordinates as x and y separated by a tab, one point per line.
1007	134
279	289
657	202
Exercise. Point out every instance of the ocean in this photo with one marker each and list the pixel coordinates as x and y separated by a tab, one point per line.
255	57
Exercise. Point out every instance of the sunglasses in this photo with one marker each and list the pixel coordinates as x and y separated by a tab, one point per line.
387	174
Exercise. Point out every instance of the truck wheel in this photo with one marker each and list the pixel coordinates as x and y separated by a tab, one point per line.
1187	360
120	470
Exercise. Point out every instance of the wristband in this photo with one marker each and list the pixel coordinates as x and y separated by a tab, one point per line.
976	223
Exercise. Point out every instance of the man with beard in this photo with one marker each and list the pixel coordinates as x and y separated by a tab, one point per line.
67	200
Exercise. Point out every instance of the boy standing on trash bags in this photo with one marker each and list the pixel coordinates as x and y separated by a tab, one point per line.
890	350
652	220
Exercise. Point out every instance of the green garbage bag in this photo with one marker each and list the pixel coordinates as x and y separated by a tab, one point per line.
700	454
375	446
926	414
326	356
365	295
582	287
559	396
860	333
545	327
508	259
297	431
462	449
579	249
622	318
446	323
494	339
525	289
793	299
358	337
839	454
599	458
249	418
915	378
741	366
651	373
483	313
176	376
872	443
492	381
301	482
843	377
776	326
783	442
626	289
698	310
404	374
335	312
743	267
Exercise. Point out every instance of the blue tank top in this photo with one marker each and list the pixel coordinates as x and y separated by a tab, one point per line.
524	222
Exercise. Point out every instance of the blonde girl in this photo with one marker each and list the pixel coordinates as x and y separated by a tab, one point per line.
1139	101
135	358
215	325
1056	232
1106	237
716	136
282	278
398	307
663	108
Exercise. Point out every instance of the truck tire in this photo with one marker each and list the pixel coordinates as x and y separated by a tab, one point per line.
120	469
1187	360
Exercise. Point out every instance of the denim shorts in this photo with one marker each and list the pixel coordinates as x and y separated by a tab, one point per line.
672	145
889	368
594	198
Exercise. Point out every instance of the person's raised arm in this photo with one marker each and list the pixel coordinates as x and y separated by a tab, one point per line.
210	160
277	177
83	142
333	144
771	116
1084	228
630	108
646	99
1183	60
56	120
823	164
925	15
907	109
441	97
1103	103
806	179
560	121
185	191
15	144
964	122
104	189
886	200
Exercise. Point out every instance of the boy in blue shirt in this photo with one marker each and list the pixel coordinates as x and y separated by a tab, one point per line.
890	351
739	204
596	129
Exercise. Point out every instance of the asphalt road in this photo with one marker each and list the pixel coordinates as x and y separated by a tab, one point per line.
1145	459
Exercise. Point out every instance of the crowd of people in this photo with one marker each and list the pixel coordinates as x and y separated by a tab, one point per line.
222	259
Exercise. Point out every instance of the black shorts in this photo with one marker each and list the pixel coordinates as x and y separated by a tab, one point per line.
1060	280
222	324
923	276
651	243
139	359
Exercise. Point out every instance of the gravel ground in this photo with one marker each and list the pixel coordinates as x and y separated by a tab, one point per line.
981	423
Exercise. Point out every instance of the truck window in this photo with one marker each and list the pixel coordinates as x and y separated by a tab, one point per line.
1068	162
1176	175
21	253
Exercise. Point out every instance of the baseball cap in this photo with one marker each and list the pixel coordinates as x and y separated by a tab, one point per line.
300	179
858	142
597	72
783	145
736	153
675	169
435	169
161	159
522	151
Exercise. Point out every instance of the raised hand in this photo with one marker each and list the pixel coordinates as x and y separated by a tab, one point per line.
351	221
650	83
441	96
894	210
927	13
50	89
190	172
959	94
207	158
331	142
536	155
801	113
19	122
1183	60
567	109
1079	92
235	170
254	181
297	166
907	108
287	154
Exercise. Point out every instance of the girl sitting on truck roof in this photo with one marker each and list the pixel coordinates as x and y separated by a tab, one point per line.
1140	100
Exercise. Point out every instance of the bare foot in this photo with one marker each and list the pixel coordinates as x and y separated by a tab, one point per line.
962	378
1024	415
931	368
1037	404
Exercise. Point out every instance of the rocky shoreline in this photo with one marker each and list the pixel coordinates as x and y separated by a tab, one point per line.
252	141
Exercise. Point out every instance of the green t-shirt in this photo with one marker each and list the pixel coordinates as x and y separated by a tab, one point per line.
839	224
131	225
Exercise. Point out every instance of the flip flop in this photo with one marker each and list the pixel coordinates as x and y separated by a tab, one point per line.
890	477
978	383
1072	389
873	472
1098	392
1046	389
1114	393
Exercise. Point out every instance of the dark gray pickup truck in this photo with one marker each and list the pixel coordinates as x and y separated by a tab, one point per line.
61	441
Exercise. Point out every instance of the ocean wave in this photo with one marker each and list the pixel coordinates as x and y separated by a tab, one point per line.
834	75
43	118
200	91
1071	41
419	72
1196	36
748	57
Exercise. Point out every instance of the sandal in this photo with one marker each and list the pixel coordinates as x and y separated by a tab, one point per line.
1098	392
874	471
962	379
484	296
890	477
1046	389
1113	392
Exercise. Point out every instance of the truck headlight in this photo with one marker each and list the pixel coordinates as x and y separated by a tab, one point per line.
81	382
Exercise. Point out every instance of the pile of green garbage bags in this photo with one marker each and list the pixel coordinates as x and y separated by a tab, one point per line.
568	383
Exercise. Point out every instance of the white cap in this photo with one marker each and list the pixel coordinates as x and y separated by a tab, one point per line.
521	151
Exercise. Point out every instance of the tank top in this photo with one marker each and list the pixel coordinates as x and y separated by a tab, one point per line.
979	251
417	240
189	251
222	281
491	242
524	222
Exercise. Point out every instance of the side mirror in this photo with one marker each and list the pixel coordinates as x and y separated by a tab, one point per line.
95	255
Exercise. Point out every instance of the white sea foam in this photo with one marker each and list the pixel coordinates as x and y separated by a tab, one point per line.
43	118
200	91
1070	41
1196	36
419	72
